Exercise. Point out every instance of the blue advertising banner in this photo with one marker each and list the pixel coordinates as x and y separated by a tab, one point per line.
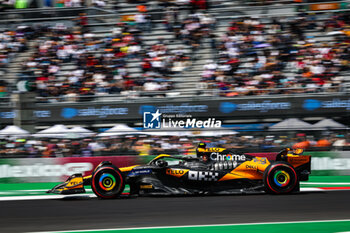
222	108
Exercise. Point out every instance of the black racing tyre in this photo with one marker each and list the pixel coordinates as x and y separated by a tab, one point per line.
280	178
107	182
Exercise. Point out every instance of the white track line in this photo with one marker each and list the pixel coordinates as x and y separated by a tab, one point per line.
38	190
310	189
48	197
28	191
43	197
191	226
324	183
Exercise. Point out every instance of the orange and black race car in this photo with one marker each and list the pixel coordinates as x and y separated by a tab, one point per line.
214	171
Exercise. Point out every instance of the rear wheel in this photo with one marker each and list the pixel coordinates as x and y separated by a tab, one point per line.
107	182
280	178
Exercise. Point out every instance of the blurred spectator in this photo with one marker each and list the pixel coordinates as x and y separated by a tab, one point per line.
97	73
323	142
99	3
340	142
255	56
175	145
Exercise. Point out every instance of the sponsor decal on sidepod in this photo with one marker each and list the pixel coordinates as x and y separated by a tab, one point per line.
215	156
176	172
203	176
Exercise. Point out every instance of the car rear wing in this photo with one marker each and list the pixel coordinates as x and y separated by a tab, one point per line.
301	163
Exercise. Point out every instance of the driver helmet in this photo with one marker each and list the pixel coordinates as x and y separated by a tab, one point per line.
201	155
202	145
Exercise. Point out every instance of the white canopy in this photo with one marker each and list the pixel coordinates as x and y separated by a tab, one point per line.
13	131
291	124
328	124
79	132
119	129
56	131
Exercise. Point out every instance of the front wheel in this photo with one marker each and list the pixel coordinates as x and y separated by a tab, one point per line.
107	182
280	178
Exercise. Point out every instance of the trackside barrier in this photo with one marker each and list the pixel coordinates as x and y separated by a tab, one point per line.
324	163
330	163
55	169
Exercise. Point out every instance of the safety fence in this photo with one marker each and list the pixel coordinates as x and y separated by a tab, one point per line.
328	163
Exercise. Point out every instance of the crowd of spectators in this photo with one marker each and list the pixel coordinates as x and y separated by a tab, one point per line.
255	55
72	63
194	29
193	5
160	62
175	145
191	27
99	65
22	4
13	42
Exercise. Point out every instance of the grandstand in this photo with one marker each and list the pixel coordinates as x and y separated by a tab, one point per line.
132	54
102	22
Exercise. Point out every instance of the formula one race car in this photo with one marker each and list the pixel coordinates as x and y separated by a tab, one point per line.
214	171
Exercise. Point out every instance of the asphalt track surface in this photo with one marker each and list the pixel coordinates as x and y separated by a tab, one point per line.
93	213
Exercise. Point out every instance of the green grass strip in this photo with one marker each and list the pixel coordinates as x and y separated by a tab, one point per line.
300	227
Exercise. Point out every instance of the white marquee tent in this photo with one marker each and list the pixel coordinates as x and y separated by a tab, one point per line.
291	124
13	131
80	132
119	129
328	124
56	131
